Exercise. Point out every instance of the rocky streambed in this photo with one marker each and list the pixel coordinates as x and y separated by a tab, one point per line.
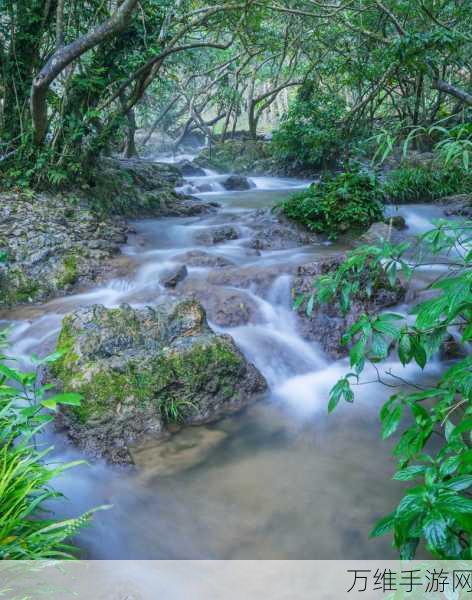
196	325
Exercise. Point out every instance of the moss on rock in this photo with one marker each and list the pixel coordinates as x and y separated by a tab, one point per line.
239	156
138	370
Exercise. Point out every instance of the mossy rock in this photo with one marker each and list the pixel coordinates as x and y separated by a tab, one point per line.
237	156
140	370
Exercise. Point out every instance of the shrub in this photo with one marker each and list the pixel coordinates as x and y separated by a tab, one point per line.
26	530
436	507
310	134
425	183
348	201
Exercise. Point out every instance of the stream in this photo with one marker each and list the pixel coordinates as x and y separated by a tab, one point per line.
282	479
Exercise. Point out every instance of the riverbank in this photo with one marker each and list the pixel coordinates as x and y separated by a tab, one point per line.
53	243
246	486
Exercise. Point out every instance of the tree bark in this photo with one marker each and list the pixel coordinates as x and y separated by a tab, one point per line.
447	88
63	56
130	143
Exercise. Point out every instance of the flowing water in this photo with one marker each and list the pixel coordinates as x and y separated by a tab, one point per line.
280	480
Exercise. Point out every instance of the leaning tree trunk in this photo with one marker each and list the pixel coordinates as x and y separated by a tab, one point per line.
64	56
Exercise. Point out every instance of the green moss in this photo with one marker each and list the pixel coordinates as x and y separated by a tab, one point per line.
236	156
71	271
171	384
16	287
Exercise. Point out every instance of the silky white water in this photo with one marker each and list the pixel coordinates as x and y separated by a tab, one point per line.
282	479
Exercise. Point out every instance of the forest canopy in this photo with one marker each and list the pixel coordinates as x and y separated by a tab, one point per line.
77	78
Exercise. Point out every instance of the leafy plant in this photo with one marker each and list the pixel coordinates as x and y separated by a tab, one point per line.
26	529
437	508
348	201
310	135
424	184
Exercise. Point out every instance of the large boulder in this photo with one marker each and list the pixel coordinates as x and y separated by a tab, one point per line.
458	205
217	235
141	370
273	231
143	188
328	324
236	183
188	169
225	307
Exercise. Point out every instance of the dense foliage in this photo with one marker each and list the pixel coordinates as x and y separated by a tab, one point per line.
28	529
350	201
311	136
425	184
435	421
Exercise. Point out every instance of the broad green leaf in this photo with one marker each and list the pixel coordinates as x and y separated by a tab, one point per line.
435	530
383	526
391	422
409	473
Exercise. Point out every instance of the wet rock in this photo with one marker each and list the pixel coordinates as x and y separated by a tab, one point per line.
452	349
249	157
225	307
396	221
147	174
419	159
174	276
375	234
202	187
198	258
177	454
52	243
142	188
457	205
327	324
141	370
255	278
189	169
217	235
237	183
274	232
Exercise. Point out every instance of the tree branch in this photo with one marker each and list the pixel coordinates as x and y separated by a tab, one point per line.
447	88
62	57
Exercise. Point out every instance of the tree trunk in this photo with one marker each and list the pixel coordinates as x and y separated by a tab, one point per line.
252	120
447	88
130	143
64	56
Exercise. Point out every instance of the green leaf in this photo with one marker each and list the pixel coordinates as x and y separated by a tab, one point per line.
453	503
419	353
391	421
465	425
69	399
383	526
298	301
11	374
342	389
310	305
409	473
357	353
460	483
405	351
435	530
